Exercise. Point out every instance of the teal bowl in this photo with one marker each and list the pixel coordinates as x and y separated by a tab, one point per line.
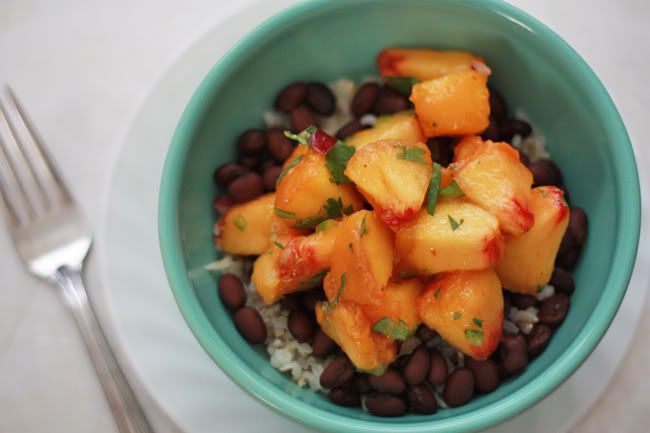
327	39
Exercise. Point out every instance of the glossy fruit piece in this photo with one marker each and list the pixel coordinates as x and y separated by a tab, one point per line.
347	324
459	236
400	126
424	64
399	303
245	229
362	259
299	150
494	178
529	259
466	147
454	104
466	309
393	175
293	263
305	188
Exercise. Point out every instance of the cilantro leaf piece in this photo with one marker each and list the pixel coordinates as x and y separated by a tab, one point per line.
455	224
457	315
452	190
279	245
240	222
303	137
324	225
363	229
474	336
412	153
407	274
311	222
478	322
286	169
337	159
333	209
402	85
434	189
334	302
436	294
314	280
284	214
389	328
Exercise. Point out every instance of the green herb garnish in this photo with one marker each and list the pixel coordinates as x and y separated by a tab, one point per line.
240	222
452	190
457	315
412	153
333	209
407	274
389	328
436	294
455	224
324	225
539	289
402	85
337	159
314	280
286	169
303	137
363	229
284	214
478	322
279	245
434	189
474	336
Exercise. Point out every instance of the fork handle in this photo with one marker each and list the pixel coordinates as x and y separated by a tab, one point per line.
127	412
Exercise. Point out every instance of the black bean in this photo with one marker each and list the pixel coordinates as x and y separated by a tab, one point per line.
391	382
424	333
228	172
265	163
538	339
322	345
222	203
524	159
270	176
349	128
345	396
554	309
292	301
360	383
513	353
364	99
578	224
460	387
421	399
280	147
301	118
506	302
337	372
417	366
248	161
486	374
568	259
246	187
442	149
311	297
562	280
320	99
545	172
438	370
568	242
498	107
522	301
511	127
231	291
290	97
250	325
300	325
567	196
385	404
251	142
492	132
390	102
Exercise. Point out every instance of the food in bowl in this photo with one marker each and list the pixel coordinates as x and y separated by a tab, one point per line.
406	261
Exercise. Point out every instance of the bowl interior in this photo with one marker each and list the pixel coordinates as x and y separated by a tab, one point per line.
326	40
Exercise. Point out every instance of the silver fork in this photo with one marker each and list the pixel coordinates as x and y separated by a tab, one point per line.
53	238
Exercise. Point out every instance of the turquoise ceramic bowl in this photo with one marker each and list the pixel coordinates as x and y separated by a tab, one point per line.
327	39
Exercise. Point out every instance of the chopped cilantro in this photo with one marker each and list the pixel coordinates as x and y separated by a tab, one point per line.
337	159
402	85
284	214
333	209
436	294
363	229
303	137
412	153
407	274
434	189
474	336
452	190
240	222
311	222
455	224
314	280
478	322
389	328
279	245
457	315
286	169
539	289
324	225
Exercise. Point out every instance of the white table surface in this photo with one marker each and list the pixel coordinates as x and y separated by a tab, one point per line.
82	66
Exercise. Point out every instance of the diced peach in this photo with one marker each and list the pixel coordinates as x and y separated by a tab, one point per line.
294	263
362	259
494	178
347	324
299	150
305	188
466	309
458	236
529	259
424	64
246	228
467	146
402	126
454	104
388	177
398	303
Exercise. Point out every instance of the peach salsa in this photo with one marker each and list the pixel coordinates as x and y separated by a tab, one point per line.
401	244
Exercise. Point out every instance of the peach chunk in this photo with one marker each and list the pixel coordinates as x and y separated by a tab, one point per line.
466	309
400	126
294	263
393	176
346	323
425	64
529	259
361	261
398	303
246	228
303	193
458	236
494	178
454	104
466	147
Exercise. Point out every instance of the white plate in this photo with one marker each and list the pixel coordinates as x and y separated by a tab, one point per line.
159	350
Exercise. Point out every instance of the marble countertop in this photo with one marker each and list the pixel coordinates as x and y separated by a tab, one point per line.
81	67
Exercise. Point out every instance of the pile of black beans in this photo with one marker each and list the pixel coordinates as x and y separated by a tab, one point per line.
408	383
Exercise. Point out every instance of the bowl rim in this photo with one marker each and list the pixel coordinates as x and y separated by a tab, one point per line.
627	185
